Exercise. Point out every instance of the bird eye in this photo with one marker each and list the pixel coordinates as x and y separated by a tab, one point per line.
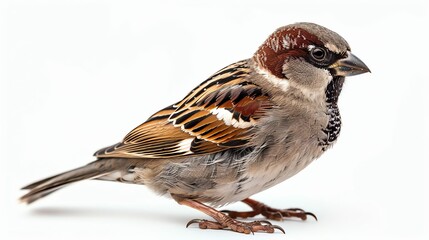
318	54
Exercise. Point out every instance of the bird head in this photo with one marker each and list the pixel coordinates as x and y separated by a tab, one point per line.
308	57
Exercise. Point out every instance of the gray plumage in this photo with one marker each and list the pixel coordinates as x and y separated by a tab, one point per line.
250	126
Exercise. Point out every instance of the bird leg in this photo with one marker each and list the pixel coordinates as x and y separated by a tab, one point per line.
268	212
223	221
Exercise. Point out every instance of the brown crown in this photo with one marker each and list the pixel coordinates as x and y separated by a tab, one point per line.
284	43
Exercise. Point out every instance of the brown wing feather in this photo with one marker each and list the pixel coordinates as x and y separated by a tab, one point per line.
218	114
206	117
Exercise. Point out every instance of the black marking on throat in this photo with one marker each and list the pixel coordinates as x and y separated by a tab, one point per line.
333	128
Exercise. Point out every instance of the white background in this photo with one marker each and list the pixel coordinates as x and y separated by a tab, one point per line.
78	75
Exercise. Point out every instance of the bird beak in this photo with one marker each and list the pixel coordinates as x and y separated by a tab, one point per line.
349	66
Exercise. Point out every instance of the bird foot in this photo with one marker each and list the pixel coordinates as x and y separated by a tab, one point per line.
237	226
223	221
268	212
280	214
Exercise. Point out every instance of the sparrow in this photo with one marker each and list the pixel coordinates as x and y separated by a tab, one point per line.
248	127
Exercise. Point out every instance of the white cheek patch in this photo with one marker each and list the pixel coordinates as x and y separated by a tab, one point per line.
317	94
227	117
283	84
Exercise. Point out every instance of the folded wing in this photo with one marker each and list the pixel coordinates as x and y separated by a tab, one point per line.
217	115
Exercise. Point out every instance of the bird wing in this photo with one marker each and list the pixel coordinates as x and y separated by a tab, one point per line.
217	115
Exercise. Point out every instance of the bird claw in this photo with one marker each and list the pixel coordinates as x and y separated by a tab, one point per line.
298	212
311	214
268	227
194	221
206	224
279	228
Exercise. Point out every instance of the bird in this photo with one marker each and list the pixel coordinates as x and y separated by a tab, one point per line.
248	127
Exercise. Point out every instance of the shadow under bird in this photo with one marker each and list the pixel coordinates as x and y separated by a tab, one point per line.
248	127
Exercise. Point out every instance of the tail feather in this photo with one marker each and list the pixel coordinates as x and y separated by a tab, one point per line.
34	196
38	183
49	185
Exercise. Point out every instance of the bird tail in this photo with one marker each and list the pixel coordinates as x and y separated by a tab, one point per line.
49	185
